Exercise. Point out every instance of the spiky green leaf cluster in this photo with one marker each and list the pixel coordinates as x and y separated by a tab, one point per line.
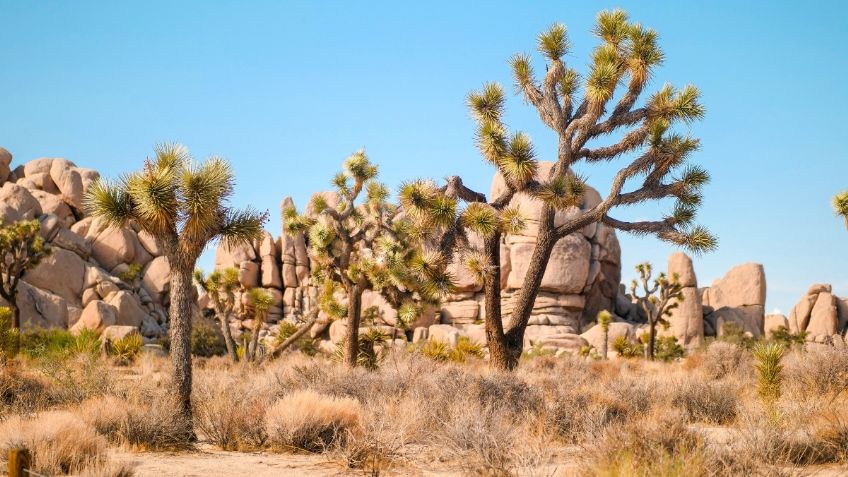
175	198
562	192
840	204
604	319
481	218
553	43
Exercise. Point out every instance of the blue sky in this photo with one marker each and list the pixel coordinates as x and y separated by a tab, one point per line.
287	90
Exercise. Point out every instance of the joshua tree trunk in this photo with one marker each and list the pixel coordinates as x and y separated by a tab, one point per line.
605	344
651	337
254	339
180	316
529	292
16	312
498	352
224	317
354	314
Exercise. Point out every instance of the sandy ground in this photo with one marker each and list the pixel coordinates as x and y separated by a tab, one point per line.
208	461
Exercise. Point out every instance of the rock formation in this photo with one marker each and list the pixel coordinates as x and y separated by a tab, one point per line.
823	316
738	297
87	281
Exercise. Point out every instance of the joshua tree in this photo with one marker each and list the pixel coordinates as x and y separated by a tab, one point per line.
221	286
840	205
21	248
657	302
656	154
183	204
259	302
604	320
355	246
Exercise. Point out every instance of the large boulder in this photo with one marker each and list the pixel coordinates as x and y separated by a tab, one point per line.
774	322
460	312
5	161
69	182
128	309
21	200
742	287
61	273
567	270
97	315
40	308
823	317
115	246
595	335
38	166
744	322
157	276
687	319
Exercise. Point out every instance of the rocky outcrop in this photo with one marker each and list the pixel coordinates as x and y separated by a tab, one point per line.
79	285
687	319
819	314
742	290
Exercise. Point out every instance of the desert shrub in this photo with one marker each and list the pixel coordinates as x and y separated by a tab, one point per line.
132	272
785	337
660	444
578	414
459	353
436	350
60	442
230	411
481	441
73	378
818	372
627	349
146	418
306	420
732	333
723	359
20	391
9	336
667	348
207	341
125	350
699	401
538	350
46	343
305	344
87	342
814	438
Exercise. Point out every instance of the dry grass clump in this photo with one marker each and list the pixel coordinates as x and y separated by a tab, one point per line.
145	420
21	392
714	402
60	442
820	371
229	411
723	359
307	420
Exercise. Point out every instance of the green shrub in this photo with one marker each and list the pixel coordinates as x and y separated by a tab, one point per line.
626	349
667	348
732	333
126	349
46	343
459	353
207	341
785	337
305	344
131	273
86	342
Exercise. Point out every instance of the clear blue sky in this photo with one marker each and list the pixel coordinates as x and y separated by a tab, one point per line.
287	90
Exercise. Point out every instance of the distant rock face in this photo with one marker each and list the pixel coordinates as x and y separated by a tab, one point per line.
687	320
742	289
77	286
820	314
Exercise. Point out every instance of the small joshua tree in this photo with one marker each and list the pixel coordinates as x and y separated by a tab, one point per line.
221	286
604	320
259	301
840	205
184	205
357	245
769	375
21	248
656	167
657	302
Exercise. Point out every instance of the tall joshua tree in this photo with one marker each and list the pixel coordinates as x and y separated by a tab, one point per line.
184	205
362	243
658	300
654	156
840	205
21	248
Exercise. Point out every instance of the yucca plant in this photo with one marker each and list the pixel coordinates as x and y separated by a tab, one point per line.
657	301
769	368
840	205
604	320
362	243
125	350
656	166
21	248
184	205
87	342
465	349
221	286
